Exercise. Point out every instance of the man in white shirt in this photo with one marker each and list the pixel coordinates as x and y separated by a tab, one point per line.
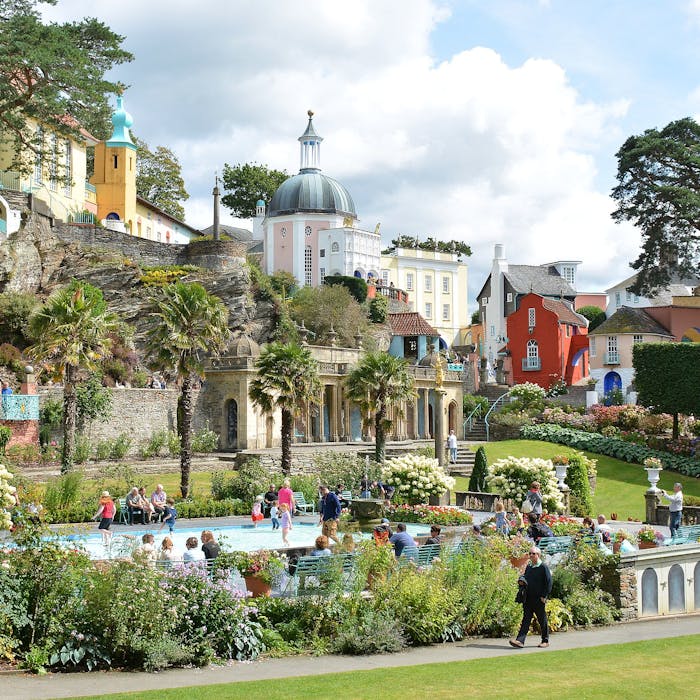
675	508
452	444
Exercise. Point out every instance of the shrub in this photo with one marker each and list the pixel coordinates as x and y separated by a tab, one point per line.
430	515
252	480
416	478
63	491
211	508
5	435
103	450
308	485
355	285
205	441
511	478
139	379
173	443
470	402
378	309
154	445
23	454
83	449
370	632
477	480
577	480
346	468
9	355
120	446
528	394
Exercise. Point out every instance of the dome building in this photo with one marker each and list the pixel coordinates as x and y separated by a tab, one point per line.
309	227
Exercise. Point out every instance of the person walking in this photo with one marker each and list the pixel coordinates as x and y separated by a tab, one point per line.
330	513
534	498
675	508
452	445
535	586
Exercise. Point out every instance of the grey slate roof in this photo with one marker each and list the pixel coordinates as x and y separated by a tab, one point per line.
311	191
629	320
243	235
540	279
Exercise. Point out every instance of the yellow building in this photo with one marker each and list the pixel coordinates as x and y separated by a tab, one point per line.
59	182
436	284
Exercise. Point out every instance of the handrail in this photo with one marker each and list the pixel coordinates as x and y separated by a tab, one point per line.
488	413
469	419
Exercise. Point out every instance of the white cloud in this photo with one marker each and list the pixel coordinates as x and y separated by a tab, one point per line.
469	148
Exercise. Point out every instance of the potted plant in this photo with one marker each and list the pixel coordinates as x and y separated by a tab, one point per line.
620	537
515	549
259	569
648	538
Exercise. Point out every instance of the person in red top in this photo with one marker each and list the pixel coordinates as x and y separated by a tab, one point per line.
105	512
286	495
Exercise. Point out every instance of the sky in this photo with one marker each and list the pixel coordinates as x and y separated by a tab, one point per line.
487	122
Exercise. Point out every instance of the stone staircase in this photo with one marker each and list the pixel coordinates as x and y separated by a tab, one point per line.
478	430
465	461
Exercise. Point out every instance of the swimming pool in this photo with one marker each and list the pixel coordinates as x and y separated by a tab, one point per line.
230	537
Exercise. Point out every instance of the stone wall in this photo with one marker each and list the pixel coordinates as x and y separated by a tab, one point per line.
626	594
137	412
24	432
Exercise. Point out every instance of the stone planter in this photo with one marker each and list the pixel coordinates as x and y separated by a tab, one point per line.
647	545
257	587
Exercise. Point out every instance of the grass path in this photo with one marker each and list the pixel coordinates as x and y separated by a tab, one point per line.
620	488
621	671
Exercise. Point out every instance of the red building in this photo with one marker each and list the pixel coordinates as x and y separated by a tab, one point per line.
547	340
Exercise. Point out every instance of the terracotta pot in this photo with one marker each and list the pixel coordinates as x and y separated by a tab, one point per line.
518	562
257	587
647	545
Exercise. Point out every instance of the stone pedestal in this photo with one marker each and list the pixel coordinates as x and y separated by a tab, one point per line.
591	398
566	493
652	501
367	510
443	500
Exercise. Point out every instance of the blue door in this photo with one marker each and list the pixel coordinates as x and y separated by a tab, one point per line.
611	382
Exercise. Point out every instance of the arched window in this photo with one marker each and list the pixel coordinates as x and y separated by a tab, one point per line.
676	589
335	247
650	592
532	358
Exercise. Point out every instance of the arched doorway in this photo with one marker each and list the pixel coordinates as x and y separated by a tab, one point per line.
676	589
452	416
650	592
232	424
611	382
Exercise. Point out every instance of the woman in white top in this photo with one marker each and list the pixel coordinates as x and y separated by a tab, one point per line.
192	553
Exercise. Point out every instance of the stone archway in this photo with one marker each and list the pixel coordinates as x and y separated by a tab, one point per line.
676	589
452	416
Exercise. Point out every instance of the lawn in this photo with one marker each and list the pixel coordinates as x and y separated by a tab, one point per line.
620	488
633	670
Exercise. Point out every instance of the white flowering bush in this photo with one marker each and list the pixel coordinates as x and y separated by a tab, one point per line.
511	478
416	478
528	393
8	498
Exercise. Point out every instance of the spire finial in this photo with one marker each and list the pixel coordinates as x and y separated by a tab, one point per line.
310	113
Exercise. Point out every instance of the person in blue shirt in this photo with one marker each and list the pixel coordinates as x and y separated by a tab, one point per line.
330	512
6	389
170	515
401	539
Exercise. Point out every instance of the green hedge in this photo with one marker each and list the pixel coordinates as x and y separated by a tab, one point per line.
612	447
355	285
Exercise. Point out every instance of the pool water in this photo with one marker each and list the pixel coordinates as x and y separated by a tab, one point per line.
231	537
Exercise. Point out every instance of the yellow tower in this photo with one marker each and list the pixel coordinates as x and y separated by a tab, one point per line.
115	172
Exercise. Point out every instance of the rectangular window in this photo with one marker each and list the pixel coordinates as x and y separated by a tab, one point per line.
618	299
484	301
612	357
322	253
428	310
509	298
68	167
637	339
568	330
308	278
409	281
385	277
636	299
53	164
531	317
591	346
428	283
628	295
569	273
445	312
445	285
322	274
148	232
493	331
38	162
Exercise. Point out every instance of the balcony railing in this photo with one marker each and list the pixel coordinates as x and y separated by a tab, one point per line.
388	292
81	217
612	358
10	180
531	364
19	407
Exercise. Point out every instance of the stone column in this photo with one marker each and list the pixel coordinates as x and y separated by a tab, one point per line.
335	425
321	421
347	424
426	414
439	426
566	494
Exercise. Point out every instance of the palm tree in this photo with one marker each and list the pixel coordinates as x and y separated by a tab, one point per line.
72	332
287	379
379	382
188	322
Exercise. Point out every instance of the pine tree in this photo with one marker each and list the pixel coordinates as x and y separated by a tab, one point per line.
477	481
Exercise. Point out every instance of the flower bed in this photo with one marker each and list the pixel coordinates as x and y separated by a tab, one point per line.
561	524
612	447
430	515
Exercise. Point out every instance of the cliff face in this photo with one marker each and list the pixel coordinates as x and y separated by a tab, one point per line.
45	254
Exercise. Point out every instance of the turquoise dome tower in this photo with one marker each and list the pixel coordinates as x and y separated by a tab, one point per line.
121	121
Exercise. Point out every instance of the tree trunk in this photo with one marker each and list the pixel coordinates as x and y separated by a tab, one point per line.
70	412
676	431
379	437
287	426
186	406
